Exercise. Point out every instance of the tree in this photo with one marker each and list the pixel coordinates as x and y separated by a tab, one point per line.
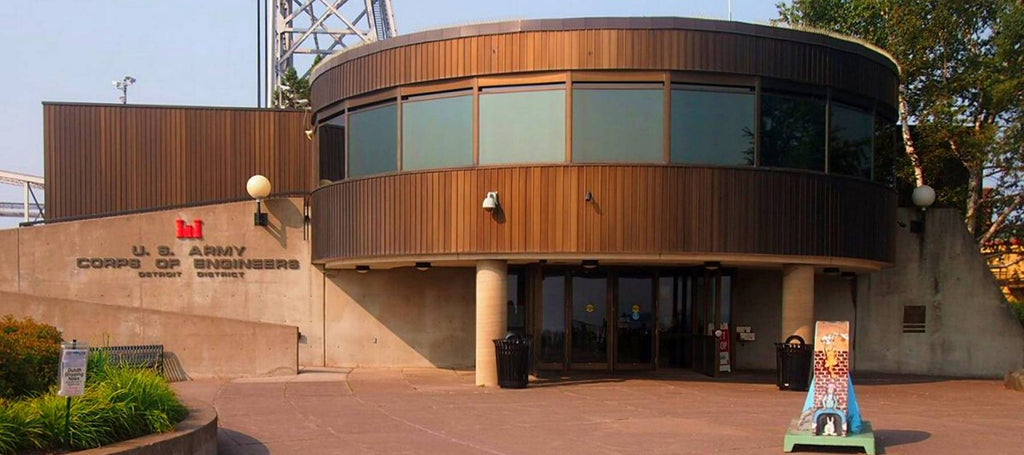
297	88
962	84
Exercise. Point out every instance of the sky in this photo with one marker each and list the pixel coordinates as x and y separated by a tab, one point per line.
202	52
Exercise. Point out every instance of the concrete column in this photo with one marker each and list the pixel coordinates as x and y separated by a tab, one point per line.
491	315
798	302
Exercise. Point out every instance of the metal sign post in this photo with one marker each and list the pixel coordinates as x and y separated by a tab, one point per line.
74	360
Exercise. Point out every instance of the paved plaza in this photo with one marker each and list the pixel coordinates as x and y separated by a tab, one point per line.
441	411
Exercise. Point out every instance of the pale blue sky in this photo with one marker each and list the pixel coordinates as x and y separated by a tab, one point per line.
202	52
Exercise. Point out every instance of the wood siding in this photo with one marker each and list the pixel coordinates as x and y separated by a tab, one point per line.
689	45
636	209
106	159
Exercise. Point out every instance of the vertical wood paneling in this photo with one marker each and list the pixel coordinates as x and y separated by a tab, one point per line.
799	57
636	209
105	159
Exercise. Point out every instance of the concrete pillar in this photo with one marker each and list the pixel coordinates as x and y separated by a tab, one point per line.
491	315
798	302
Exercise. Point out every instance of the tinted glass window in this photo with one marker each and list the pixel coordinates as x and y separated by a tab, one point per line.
437	133
618	125
849	144
373	141
793	132
887	138
331	137
713	127
522	127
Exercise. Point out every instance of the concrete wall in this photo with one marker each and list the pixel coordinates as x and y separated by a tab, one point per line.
757	303
204	346
401	317
969	329
9	260
43	260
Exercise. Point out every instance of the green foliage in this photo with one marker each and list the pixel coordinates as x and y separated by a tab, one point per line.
962	70
29	355
119	404
1018	310
297	89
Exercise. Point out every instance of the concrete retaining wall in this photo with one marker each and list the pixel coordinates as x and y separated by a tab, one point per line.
46	260
196	435
204	346
969	331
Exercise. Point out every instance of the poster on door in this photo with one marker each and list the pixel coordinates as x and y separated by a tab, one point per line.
723	350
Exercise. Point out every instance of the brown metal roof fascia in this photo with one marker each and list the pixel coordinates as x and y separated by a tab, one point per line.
165	106
598	23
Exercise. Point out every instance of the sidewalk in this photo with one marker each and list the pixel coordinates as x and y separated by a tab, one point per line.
441	411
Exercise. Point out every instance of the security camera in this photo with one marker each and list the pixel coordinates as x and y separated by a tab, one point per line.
491	200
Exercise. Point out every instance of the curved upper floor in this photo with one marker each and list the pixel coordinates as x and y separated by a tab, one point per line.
637	139
620	90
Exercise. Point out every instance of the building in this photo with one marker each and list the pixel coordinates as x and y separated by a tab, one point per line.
630	193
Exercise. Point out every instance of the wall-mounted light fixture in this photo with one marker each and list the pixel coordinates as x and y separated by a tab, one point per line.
712	265
849	275
589	264
923	197
362	268
491	201
831	270
423	266
589	197
258	187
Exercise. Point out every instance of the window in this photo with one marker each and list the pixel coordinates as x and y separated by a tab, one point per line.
522	126
331	136
618	123
793	132
373	140
849	143
516	316
437	132
887	136
552	337
713	126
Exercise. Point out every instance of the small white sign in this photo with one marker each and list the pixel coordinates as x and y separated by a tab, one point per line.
73	363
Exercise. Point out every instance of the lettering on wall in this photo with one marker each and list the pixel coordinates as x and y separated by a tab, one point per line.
204	261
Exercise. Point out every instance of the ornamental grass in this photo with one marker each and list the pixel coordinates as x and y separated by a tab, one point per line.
119	403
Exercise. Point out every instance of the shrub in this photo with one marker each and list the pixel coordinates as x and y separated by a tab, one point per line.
122	403
29	355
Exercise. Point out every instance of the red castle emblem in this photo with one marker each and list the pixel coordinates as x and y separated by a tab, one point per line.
186	231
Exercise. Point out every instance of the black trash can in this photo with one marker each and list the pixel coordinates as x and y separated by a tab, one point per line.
513	356
793	364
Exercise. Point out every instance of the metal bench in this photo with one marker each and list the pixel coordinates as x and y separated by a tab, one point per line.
149	356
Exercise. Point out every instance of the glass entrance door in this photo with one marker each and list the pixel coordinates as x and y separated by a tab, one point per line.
705	318
634	334
628	318
589	324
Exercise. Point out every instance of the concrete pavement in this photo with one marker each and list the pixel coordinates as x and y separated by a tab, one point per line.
441	411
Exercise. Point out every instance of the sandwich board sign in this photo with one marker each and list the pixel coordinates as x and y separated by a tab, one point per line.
74	359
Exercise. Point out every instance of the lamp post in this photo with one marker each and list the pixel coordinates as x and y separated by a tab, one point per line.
123	85
258	187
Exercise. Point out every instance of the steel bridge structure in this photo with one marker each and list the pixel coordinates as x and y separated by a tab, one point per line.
30	209
287	29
